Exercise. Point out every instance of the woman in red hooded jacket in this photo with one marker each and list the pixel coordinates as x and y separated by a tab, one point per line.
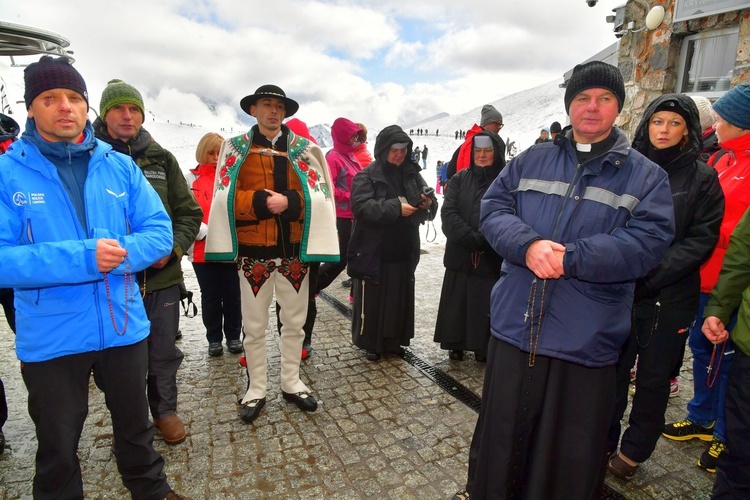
218	281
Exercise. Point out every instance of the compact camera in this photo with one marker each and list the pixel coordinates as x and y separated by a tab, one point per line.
427	191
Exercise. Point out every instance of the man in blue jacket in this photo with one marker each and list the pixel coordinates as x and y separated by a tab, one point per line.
576	221
77	220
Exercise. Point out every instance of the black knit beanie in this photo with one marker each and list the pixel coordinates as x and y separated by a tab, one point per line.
52	73
674	107
595	74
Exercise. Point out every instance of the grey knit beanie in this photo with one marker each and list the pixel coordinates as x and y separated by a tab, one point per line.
489	115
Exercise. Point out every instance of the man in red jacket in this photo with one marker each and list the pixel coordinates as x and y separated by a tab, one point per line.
491	120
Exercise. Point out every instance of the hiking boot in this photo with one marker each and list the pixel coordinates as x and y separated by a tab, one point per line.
674	388
234	346
215	349
710	457
686	430
620	468
172	429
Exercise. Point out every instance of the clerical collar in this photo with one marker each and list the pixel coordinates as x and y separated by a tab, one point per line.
586	152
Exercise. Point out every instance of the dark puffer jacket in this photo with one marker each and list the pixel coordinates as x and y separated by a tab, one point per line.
460	215
698	209
376	209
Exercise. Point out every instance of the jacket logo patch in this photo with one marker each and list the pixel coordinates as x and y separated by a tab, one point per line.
155	174
20	199
115	194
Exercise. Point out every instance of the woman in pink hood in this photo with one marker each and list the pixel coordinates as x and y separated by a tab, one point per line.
343	165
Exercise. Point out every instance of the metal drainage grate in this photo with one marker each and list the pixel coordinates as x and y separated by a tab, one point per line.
442	379
445	381
337	304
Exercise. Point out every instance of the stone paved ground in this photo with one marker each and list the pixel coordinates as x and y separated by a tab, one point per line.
383	429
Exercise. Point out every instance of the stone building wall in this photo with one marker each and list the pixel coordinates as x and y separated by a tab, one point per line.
649	60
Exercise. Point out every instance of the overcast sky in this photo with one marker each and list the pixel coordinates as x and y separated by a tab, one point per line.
376	62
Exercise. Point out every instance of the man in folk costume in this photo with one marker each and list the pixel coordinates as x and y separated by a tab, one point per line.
273	212
576	221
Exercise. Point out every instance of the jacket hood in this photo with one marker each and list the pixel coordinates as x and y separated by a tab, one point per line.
300	128
60	150
342	132
392	134
694	146
498	160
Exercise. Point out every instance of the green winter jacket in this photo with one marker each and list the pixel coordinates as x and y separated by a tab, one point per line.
162	171
733	288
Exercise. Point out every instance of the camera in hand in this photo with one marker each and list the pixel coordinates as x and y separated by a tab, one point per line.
427	191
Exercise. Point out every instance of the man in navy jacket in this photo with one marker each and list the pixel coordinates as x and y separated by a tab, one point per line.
576	221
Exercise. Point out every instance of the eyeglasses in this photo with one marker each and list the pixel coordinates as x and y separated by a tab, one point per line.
499	125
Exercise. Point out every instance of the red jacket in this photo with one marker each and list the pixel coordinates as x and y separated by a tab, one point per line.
464	155
363	155
734	176
203	190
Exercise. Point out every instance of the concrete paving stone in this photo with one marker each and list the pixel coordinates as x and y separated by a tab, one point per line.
389	477
349	457
394	451
377	463
415	479
371	488
402	466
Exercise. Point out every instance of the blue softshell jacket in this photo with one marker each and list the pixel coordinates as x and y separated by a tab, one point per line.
48	258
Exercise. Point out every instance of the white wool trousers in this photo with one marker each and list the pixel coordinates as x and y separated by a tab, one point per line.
260	281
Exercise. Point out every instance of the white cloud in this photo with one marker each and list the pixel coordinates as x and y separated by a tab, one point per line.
376	62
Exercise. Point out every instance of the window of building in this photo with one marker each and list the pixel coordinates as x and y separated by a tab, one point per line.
707	61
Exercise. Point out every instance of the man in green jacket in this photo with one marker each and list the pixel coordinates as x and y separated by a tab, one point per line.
733	291
120	124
